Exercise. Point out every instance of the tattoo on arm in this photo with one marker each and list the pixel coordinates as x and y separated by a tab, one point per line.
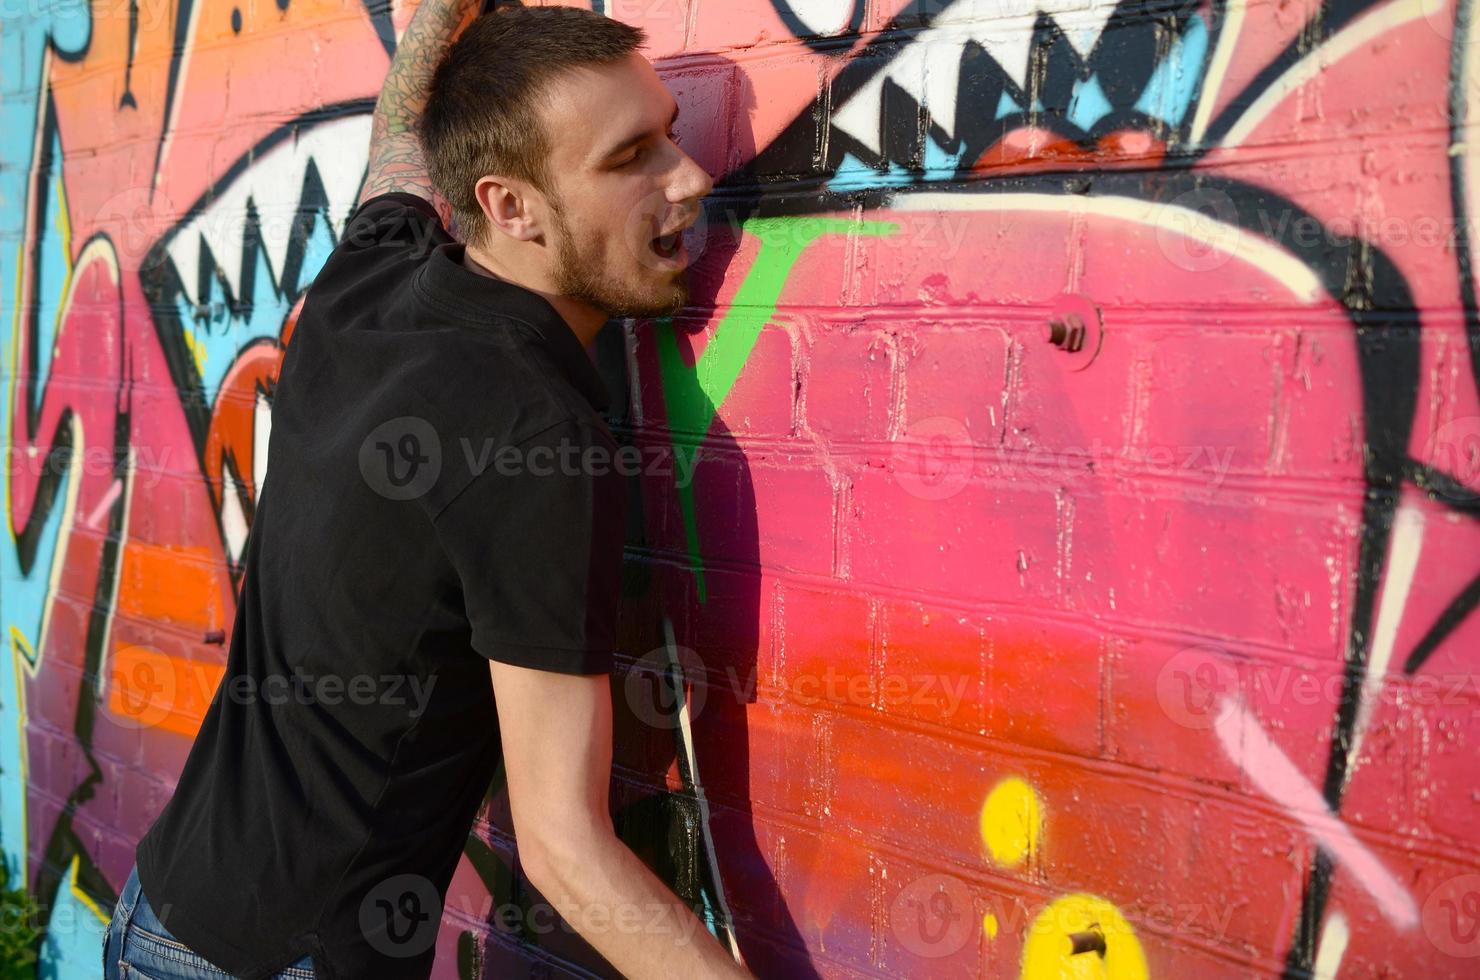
396	160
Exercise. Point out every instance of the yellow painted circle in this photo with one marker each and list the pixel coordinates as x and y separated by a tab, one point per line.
1048	948
1011	820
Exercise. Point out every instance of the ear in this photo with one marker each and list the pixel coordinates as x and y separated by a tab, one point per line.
512	206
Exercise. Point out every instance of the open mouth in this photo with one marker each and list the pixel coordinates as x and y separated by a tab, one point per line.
668	246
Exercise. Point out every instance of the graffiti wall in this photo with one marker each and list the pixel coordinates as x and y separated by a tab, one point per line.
1060	554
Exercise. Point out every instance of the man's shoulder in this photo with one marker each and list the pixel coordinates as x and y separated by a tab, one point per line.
392	218
385	241
389	209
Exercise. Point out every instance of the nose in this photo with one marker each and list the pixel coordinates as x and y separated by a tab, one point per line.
690	181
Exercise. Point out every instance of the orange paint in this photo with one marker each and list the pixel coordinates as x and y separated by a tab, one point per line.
149	689
231	437
1031	148
179	586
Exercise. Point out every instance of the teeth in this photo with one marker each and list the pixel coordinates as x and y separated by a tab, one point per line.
233	521
929	67
261	430
338	149
184	249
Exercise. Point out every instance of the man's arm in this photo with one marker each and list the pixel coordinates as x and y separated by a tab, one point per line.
557	741
396	161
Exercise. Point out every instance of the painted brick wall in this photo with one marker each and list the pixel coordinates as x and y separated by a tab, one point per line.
1061	496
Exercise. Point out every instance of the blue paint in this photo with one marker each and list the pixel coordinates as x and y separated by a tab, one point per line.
221	336
938	164
853	174
1174	83
52	268
66	26
73	946
1088	104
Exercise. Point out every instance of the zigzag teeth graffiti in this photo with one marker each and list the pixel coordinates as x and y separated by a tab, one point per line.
316	162
983	70
930	66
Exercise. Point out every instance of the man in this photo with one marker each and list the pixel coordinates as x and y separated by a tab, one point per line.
432	572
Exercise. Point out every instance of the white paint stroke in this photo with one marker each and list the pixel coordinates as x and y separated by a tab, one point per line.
1289	271
1003	28
1332	948
1228	38
1270	769
1402	563
1364	30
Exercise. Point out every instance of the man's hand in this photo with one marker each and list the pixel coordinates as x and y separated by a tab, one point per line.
396	161
557	742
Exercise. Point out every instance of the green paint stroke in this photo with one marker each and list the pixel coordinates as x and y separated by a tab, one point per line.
692	395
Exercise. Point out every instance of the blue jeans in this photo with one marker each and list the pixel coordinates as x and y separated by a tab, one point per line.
137	947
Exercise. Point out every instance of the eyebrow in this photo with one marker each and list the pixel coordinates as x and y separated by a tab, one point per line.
633	140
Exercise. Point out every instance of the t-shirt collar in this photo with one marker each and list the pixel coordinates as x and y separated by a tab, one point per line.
478	296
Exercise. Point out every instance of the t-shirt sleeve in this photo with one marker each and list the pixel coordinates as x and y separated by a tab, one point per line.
536	539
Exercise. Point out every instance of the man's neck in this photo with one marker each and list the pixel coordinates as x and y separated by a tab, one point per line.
584	320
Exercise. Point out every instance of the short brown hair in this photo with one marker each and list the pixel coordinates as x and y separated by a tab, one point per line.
482	110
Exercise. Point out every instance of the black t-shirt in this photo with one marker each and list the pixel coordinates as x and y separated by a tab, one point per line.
441	488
